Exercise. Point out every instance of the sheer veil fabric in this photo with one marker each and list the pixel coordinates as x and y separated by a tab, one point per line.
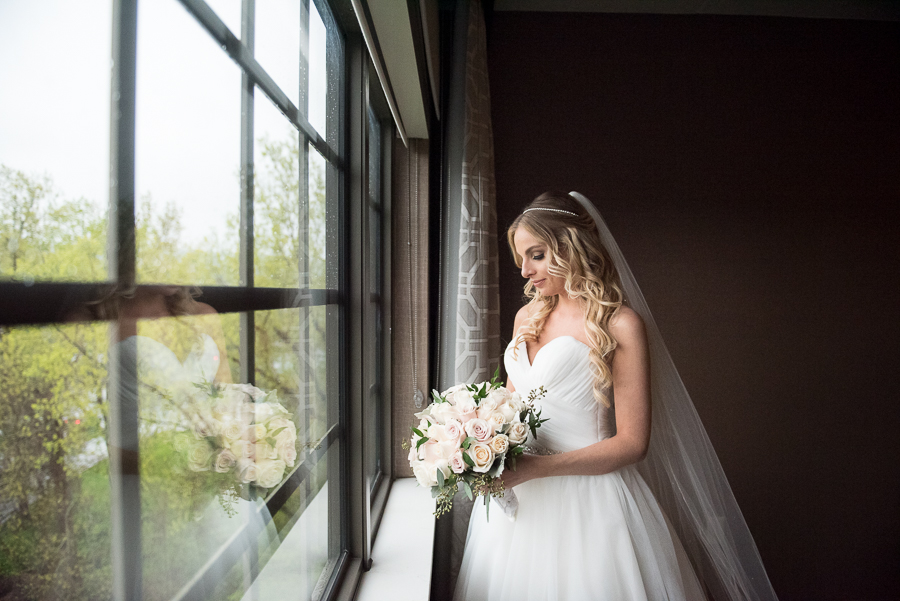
682	469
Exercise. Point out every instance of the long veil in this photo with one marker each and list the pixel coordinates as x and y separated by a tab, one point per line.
682	469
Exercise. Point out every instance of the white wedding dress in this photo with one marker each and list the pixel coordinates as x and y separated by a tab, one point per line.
575	538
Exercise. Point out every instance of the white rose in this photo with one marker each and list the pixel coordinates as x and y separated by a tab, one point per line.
246	470
496	419
288	435
280	422
199	455
265	451
287	452
457	463
224	461
499	396
453	389
435	432
426	476
464	403
517	433
444	412
433	451
426	412
270	472
479	429
246	390
482	456
508	411
232	431
258	432
488	402
262	412
205	427
453	430
499	444
242	449
515	401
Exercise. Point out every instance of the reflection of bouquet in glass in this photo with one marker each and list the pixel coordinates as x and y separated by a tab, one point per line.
467	436
243	432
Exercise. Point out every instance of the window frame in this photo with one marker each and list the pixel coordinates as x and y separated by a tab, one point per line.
359	507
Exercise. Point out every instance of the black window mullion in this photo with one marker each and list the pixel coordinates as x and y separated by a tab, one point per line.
123	443
243	56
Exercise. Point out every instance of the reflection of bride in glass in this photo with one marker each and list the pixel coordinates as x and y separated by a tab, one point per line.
210	449
620	502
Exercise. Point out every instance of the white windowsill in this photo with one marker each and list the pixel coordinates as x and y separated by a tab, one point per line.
401	558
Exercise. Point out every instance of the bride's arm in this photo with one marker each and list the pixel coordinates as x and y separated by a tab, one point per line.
521	316
631	382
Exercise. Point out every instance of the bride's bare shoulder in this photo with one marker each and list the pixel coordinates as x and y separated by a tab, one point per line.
626	325
523	315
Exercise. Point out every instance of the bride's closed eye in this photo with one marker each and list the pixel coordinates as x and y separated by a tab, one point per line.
537	257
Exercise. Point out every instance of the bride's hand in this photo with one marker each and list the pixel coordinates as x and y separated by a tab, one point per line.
526	469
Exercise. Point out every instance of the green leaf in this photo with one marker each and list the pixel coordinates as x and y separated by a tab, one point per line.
437	396
420	442
468	460
418	433
497	467
468	490
440	478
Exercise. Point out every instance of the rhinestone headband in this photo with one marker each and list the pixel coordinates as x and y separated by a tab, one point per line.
554	210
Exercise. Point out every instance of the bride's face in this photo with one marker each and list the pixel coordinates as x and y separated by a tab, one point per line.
535	263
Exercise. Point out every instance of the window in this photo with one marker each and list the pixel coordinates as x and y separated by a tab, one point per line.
179	336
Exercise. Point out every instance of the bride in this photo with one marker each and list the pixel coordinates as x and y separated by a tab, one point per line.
622	497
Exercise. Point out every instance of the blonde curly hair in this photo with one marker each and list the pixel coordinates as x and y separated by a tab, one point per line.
575	254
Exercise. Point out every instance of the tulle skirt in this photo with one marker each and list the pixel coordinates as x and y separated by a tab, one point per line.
577	538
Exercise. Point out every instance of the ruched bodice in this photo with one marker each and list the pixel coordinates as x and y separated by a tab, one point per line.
563	367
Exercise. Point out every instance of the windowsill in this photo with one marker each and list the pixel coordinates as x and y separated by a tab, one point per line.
401	557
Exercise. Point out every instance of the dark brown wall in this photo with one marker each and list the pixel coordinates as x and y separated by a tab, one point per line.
750	170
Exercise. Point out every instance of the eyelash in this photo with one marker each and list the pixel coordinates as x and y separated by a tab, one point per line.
537	257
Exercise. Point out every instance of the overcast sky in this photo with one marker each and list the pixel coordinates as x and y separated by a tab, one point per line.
55	87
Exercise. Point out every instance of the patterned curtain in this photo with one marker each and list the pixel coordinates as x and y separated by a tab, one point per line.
469	343
472	274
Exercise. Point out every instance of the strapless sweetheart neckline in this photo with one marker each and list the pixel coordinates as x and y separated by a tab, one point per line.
531	362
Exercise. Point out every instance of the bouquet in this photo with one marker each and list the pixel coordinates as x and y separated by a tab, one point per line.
243	433
466	437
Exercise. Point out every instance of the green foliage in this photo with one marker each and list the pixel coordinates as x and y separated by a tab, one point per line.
54	481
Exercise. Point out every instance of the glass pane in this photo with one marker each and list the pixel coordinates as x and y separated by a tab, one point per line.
54	139
375	334
299	565
278	43
318	72
195	429
54	489
213	449
291	349
276	202
326	77
318	239
187	166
